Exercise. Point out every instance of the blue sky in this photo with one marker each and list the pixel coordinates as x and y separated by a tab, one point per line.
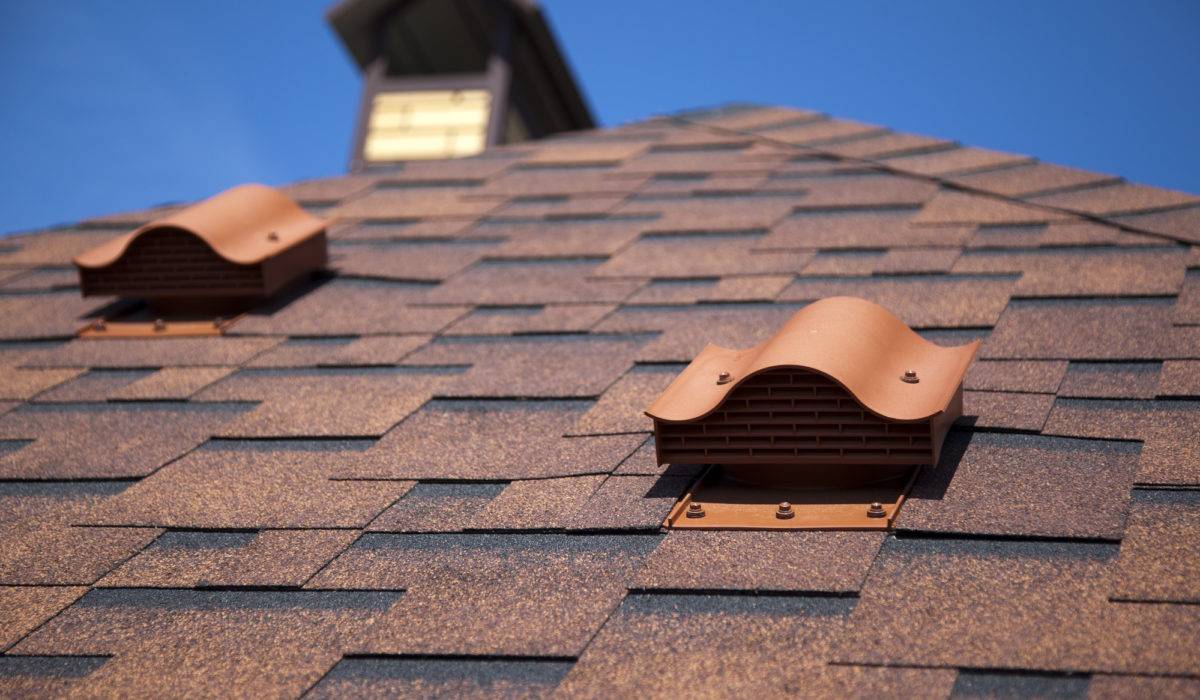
123	105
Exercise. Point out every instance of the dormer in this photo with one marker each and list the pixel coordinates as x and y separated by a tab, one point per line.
449	79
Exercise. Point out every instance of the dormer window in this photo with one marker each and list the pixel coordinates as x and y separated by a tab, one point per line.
822	426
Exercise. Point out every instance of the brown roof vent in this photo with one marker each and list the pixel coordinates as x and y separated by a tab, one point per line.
831	415
245	243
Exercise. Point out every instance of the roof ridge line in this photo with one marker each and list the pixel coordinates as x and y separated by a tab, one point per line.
942	182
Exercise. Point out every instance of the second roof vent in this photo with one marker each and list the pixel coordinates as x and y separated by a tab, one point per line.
831	415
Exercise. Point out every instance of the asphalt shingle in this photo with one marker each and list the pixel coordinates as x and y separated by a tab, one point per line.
467	386
252	485
991	604
207	643
1024	485
498	595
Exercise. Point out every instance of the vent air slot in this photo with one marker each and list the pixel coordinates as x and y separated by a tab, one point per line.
796	416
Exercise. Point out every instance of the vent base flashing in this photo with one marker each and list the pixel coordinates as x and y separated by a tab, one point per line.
828	501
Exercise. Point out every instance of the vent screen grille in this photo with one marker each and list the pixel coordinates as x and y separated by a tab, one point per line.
798	417
176	263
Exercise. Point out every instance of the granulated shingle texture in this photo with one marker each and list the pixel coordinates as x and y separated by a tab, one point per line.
44	676
1090	273
171	384
1101	329
923	301
416	261
24	608
1179	378
427	471
234	485
98	440
1008	375
729	645
183	559
630	503
950	207
44	316
536	504
353	402
514	320
1121	198
180	642
1111	380
1112	687
163	352
1161	549
1024	485
517	595
512	283
818	131
24	384
1180	224
761	561
1169	432
1030	179
585	237
683	333
352	307
996	604
41	542
869	191
621	407
1006	410
699	256
882	145
531	366
94	386
490	440
414	202
436	507
470	679
953	162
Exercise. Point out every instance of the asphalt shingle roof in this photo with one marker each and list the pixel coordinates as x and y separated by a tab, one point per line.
428	472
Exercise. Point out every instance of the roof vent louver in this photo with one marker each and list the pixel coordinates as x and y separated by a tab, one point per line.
241	245
830	417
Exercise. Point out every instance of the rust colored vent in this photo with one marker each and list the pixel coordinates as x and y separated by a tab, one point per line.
821	426
249	241
794	416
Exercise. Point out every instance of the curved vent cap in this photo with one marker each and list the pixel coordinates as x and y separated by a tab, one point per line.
249	241
197	271
832	416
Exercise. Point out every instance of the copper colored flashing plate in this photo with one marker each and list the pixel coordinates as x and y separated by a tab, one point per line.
828	502
250	240
168	328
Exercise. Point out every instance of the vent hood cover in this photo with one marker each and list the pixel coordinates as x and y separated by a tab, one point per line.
248	241
844	396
